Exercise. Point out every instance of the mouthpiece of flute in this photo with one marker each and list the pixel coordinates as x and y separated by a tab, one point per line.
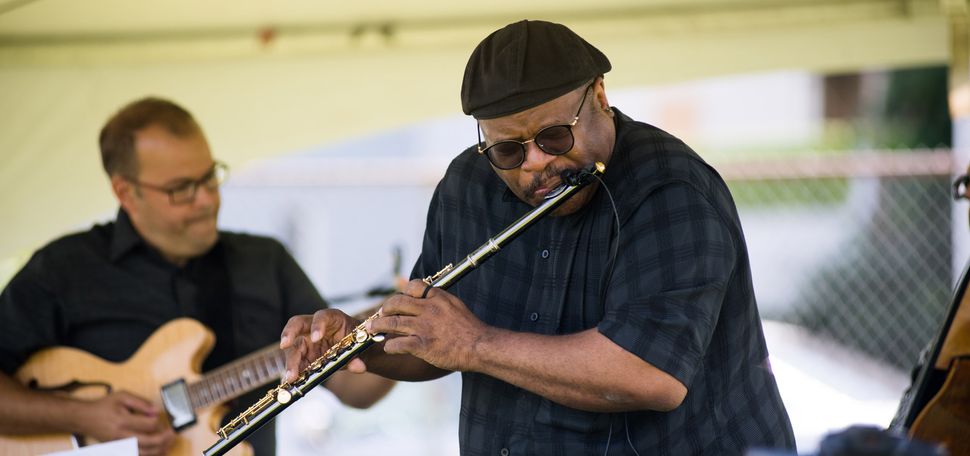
580	176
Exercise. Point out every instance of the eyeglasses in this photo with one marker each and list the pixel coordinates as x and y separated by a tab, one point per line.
184	192
553	140
961	187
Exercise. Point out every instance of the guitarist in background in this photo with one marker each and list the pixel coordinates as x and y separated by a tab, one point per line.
106	290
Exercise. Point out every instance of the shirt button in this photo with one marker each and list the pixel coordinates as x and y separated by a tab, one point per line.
545	254
534	316
504	452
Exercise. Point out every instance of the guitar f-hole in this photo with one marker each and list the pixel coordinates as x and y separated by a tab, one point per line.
69	387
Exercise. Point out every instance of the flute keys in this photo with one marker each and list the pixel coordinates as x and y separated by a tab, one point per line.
283	396
430	280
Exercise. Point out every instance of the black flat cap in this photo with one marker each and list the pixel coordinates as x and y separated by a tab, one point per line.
525	64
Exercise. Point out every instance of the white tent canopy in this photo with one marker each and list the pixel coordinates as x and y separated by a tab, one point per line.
269	77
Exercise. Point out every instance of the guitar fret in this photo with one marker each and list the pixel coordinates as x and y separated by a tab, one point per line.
247	377
231	388
224	385
217	387
227	384
206	397
199	391
208	392
280	364
234	381
237	378
193	397
261	371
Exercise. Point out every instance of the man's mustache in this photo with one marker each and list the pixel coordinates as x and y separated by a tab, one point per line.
546	176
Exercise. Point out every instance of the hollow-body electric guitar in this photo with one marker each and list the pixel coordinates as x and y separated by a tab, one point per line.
166	370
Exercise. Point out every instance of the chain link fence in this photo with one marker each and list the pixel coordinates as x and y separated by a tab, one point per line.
853	247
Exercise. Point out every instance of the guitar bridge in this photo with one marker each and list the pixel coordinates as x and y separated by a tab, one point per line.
175	398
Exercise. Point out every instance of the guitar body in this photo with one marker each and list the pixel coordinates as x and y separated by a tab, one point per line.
938	409
176	350
946	418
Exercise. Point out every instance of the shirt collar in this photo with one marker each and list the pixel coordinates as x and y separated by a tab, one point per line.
508	196
124	238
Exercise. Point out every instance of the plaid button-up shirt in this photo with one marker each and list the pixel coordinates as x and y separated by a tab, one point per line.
679	297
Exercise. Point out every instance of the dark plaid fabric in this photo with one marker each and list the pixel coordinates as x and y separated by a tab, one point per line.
105	291
680	297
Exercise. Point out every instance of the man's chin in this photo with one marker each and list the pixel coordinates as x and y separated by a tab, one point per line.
204	241
575	203
565	209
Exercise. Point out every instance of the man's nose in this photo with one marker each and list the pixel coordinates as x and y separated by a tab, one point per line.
206	196
535	158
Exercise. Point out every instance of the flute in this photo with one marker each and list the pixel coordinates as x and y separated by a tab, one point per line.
358	340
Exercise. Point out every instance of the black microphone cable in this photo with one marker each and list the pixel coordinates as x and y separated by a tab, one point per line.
603	285
574	178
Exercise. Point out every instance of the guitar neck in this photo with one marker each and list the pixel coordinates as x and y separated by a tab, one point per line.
238	377
245	374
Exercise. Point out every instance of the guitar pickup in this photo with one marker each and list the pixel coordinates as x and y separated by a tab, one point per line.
175	399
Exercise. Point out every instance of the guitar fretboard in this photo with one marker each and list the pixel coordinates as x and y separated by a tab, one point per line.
237	378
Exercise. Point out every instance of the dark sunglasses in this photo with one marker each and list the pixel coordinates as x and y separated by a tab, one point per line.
553	140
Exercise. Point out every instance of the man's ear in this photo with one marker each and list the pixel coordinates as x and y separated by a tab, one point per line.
600	95
124	192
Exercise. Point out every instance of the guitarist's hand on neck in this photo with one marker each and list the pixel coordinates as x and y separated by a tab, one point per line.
118	415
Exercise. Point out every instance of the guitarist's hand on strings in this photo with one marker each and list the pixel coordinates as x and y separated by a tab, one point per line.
121	415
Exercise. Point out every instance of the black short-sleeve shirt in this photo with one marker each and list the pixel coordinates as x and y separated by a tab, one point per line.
679	295
105	291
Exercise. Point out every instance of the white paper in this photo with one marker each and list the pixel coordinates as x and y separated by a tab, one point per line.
122	447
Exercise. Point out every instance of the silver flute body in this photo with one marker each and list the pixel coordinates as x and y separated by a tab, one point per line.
358	340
